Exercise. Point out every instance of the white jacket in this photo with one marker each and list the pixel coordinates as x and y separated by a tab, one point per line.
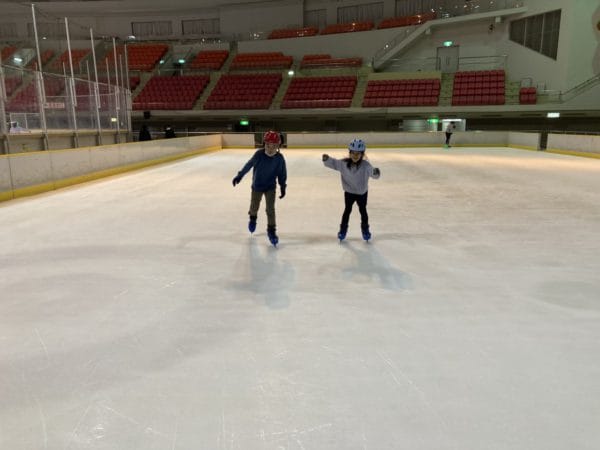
355	180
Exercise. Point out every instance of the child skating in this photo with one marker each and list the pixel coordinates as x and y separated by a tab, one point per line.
269	168
355	173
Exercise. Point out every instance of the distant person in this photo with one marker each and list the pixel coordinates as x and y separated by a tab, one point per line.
449	130
169	132
16	128
355	171
268	168
145	134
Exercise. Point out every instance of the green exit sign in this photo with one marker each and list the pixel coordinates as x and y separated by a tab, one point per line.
244	122
433	120
448	43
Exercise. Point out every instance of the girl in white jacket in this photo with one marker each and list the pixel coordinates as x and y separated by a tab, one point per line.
355	172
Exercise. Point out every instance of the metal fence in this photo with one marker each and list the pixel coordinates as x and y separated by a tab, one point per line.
36	101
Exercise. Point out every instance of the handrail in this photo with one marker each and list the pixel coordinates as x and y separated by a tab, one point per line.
407	31
577	89
415	64
496	62
486	62
558	96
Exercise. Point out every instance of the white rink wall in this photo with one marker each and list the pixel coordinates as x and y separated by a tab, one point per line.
524	140
574	143
398	139
34	172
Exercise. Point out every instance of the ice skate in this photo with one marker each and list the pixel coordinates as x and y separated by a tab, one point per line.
342	233
366	234
252	224
272	236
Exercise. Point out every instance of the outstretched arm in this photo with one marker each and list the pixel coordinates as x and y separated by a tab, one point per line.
332	163
244	170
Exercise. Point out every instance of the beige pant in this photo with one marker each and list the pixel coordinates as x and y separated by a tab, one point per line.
255	199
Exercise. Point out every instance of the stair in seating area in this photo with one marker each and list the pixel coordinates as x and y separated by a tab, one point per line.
144	78
214	79
361	87
227	63
511	92
446	88
283	87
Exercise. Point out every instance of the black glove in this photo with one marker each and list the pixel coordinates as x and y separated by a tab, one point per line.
376	172
236	179
282	191
325	157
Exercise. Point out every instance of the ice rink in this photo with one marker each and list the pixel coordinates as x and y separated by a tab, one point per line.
137	312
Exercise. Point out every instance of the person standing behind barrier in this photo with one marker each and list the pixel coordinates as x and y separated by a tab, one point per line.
169	132
144	134
449	130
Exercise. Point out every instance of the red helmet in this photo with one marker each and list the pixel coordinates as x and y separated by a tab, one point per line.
272	137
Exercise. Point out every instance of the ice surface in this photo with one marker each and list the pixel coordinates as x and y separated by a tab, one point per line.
137	312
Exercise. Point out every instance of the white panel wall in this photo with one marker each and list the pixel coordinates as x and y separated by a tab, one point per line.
37	168
523	62
103	158
70	163
574	143
238	140
472	38
29	169
583	39
596	55
374	139
5	184
530	140
345	45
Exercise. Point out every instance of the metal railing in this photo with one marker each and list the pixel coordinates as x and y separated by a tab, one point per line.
465	63
580	88
491	62
38	102
558	96
401	36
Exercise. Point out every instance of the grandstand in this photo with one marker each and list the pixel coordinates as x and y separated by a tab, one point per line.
488	85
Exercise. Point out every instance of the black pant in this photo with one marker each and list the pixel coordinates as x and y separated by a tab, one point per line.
448	136
361	201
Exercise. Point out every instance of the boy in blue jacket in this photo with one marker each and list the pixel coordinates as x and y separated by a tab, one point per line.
355	173
269	167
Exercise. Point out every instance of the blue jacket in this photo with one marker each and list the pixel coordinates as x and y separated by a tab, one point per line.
266	169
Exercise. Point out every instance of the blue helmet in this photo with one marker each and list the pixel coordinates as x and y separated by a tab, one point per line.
357	145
